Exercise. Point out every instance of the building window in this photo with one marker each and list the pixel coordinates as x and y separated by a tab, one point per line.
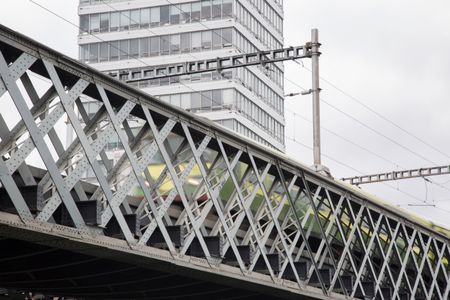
185	14
154	82
145	18
175	44
134	48
123	46
104	55
174	79
206	39
206	100
217	99
93	53
115	21
185	42
196	77
185	101
144	44
84	24
104	22
227	8
84	53
165	45
227	37
171	44
165	14
135	19
175	100
154	46
164	81
195	11
95	23
196	41
206	9
216	9
124	20
155	16
217	39
206	76
196	100
114	50
174	14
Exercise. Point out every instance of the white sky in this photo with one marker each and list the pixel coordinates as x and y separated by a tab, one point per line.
393	56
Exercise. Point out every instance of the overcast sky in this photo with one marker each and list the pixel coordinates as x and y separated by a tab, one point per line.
392	56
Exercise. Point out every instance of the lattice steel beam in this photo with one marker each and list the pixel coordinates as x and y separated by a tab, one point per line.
202	193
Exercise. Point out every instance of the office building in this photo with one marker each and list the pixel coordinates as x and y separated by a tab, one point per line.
124	38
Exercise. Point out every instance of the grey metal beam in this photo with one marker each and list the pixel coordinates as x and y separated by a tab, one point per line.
219	64
38	140
397	175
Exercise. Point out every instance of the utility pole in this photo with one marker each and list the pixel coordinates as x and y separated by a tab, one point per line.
315	45
309	50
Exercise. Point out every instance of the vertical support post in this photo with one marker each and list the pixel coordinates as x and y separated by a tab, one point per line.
316	96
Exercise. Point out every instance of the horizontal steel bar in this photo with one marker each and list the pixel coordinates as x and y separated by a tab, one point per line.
397	175
218	64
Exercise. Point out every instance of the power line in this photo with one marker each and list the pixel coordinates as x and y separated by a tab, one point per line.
378	114
355	119
418	200
376	131
369	127
441	185
222	37
345	139
212	100
348	115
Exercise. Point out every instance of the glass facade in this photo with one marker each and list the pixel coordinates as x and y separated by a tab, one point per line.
259	31
269	14
188	42
242	26
148	17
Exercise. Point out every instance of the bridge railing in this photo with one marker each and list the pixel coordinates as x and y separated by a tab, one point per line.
184	184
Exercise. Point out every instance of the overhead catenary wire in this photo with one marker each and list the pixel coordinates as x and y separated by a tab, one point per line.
378	114
68	21
212	100
343	138
441	185
143	62
334	107
415	198
178	7
368	127
346	114
329	104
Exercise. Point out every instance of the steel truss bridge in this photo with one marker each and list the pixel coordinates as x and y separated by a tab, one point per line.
189	210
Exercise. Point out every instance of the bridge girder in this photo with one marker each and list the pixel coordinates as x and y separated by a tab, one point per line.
189	193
